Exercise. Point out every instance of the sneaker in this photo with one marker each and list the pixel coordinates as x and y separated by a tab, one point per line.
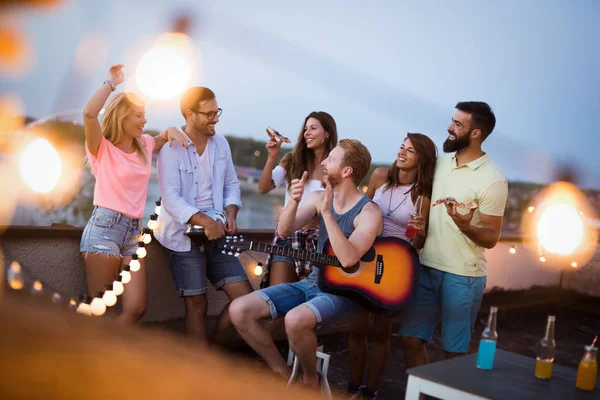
353	392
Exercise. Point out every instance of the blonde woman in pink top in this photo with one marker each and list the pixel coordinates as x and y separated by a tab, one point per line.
120	157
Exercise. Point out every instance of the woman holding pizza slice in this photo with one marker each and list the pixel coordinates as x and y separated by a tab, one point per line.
317	138
403	193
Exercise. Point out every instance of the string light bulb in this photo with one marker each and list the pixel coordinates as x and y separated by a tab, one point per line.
109	298
531	209
542	259
97	305
258	270
152	222
141	250
84	306
15	276
118	287
158	207
574	264
37	287
134	264
146	235
125	274
73	303
56	297
513	250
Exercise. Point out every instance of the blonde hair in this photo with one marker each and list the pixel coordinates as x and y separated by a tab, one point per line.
117	110
357	157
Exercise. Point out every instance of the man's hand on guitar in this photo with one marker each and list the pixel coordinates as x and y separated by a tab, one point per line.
214	230
328	197
297	187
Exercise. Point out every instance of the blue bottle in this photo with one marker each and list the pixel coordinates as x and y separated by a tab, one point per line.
487	345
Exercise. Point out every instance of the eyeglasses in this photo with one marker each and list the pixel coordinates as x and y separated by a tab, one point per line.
211	114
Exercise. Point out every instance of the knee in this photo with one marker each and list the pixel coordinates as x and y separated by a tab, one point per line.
135	311
240	311
412	344
299	321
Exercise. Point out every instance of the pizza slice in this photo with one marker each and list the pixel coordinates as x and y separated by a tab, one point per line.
274	134
470	205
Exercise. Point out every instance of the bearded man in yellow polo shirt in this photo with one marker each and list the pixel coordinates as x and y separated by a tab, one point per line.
453	264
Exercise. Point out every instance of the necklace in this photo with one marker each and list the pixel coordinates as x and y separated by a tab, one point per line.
390	211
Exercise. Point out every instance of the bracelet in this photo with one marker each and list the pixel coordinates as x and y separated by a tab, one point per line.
112	85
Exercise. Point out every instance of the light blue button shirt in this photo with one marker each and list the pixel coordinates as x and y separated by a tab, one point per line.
178	179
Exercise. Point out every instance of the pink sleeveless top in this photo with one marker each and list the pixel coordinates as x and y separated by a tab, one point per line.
396	207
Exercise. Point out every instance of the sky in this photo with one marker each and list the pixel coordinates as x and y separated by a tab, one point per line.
380	69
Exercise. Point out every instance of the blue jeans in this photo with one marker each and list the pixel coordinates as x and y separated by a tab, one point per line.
193	269
442	296
327	307
110	232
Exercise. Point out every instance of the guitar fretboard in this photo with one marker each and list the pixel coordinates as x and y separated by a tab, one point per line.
312	256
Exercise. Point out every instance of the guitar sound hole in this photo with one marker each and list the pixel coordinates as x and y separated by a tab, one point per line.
352	271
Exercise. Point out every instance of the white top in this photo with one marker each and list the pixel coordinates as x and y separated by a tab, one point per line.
204	199
278	177
398	205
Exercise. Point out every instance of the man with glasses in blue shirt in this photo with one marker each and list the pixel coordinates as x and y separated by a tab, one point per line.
199	186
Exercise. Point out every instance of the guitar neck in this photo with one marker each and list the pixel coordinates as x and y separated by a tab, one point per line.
312	256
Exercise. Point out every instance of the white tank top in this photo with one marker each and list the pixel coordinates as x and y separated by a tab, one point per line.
278	176
396	207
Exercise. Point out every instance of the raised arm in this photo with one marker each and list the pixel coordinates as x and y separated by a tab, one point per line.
294	217
169	135
266	182
93	131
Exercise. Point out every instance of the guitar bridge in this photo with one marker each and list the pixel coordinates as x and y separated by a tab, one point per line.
379	269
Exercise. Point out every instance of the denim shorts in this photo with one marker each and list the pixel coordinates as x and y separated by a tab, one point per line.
451	299
327	307
110	232
287	242
193	269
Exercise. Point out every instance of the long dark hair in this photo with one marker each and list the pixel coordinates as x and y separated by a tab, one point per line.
427	153
302	158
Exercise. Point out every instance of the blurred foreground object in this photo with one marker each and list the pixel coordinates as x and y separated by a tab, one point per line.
53	353
562	226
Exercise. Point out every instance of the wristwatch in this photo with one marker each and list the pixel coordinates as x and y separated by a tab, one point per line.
112	85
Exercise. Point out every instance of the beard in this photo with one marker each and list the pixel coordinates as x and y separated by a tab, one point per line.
459	143
334	179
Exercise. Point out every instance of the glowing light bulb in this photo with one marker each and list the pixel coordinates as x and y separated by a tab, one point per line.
574	264
542	259
531	209
15	276
109	298
126	276
72	303
158	208
97	305
37	287
146	236
152	221
172	58
141	250
560	229
258	270
56	297
118	287
134	264
40	166
512	250
84	306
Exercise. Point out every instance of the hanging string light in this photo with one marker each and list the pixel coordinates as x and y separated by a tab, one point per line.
118	287
158	207
152	221
84	306
125	274
15	276
146	235
134	264
97	306
109	298
141	250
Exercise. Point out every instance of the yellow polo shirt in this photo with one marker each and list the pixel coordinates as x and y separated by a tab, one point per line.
446	247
